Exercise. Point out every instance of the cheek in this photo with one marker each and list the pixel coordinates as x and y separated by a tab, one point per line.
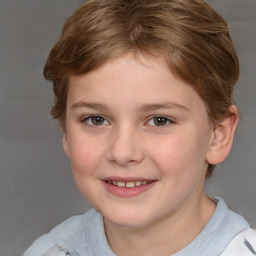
179	155
84	160
181	163
84	156
172	153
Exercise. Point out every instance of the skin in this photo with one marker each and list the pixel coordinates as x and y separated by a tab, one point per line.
126	141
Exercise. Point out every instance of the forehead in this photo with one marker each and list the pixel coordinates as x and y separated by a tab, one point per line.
132	80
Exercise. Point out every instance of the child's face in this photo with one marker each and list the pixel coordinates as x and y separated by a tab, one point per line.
133	122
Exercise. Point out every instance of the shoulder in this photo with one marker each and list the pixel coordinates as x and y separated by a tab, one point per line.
64	236
242	244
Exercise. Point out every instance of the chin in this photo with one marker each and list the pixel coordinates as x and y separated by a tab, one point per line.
128	224
128	219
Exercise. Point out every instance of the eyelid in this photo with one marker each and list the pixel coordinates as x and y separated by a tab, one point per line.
87	117
169	120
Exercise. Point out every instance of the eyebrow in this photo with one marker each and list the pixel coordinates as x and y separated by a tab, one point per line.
167	105
96	106
141	108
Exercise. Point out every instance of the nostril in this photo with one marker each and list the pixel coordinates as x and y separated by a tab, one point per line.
124	149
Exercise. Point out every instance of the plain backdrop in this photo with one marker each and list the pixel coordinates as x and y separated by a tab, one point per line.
36	187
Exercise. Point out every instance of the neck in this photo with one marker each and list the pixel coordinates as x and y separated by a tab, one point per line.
163	237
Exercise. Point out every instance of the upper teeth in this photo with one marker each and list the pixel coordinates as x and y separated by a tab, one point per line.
129	184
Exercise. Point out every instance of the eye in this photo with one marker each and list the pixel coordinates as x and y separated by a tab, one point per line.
159	121
96	120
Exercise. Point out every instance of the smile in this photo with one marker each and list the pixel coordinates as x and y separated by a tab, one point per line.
129	184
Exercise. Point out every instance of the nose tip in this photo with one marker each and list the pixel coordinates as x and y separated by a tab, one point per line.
125	149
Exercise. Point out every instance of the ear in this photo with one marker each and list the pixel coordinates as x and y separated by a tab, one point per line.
65	144
222	139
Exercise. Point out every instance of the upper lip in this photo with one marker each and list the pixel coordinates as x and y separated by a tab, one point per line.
127	179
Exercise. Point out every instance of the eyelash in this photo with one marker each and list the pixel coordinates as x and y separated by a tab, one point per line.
91	125
152	119
165	119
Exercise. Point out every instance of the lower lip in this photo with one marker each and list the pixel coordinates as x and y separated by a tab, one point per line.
127	192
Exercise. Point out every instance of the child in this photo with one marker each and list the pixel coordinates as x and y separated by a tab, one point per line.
143	93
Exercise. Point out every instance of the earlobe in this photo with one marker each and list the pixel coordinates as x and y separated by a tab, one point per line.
65	144
222	139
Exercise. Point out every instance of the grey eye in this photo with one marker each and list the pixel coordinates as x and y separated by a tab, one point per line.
95	120
160	121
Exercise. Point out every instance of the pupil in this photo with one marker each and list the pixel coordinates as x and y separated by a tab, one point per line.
160	121
97	120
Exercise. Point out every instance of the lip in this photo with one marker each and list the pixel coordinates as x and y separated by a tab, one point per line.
126	179
124	191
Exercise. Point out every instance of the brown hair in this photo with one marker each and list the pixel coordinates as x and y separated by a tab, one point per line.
192	38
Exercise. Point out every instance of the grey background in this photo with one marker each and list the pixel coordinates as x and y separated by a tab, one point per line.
36	186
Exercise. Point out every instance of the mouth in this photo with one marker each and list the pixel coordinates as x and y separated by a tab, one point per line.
128	187
129	184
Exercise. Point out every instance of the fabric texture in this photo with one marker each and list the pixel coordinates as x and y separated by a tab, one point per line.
243	244
226	234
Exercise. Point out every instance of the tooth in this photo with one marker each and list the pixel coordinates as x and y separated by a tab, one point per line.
130	184
115	183
138	183
109	181
144	182
120	184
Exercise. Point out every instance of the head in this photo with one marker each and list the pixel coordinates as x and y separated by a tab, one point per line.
189	36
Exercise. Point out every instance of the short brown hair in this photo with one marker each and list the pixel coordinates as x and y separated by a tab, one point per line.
191	37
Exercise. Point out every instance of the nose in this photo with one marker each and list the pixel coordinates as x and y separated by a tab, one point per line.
125	147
